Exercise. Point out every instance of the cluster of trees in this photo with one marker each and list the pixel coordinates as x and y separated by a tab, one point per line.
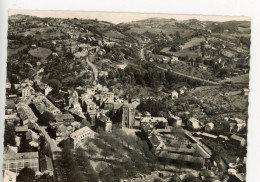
124	155
154	107
76	167
9	135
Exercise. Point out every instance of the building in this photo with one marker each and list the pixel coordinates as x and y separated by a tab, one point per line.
21	130
174	59
14	161
66	119
9	119
9	176
128	115
104	122
46	165
193	124
245	91
157	122
26	92
209	127
80	136
237	140
174	94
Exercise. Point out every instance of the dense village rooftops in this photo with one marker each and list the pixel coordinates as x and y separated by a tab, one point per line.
46	164
78	112
153	119
7	117
43	104
62	117
9	154
21	128
81	131
25	112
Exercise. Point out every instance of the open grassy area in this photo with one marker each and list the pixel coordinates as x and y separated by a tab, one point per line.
11	52
181	53
40	52
193	42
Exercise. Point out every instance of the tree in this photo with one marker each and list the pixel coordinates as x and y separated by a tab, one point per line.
9	136
55	84
91	150
46	117
26	175
25	146
107	175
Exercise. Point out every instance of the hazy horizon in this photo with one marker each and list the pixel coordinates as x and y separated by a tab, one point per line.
120	17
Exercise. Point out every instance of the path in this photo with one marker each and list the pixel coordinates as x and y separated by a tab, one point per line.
191	77
93	67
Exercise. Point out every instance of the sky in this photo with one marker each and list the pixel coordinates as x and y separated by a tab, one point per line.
120	17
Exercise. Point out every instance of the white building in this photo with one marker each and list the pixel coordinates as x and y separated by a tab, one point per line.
193	123
80	136
174	94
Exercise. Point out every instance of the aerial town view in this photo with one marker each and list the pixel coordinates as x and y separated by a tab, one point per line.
152	100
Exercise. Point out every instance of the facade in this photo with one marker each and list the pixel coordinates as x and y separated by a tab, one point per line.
128	115
26	92
193	124
46	165
80	136
174	94
14	161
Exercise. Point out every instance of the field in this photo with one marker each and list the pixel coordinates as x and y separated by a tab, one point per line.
11	52
40	52
114	34
181	53
193	42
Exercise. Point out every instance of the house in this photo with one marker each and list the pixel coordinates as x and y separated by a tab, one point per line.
193	124
26	92
21	130
26	114
182	90
209	127
9	119
14	161
61	132
237	140
174	94
128	115
66	119
135	101
32	136
177	120
157	122
102	73
9	176
174	59
80	136
104	122
8	85
245	91
46	165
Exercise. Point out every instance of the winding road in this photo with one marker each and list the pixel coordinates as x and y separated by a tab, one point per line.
93	67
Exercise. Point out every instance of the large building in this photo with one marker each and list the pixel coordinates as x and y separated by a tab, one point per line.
80	136
128	115
15	162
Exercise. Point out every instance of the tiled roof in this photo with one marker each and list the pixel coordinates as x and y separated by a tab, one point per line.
46	164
